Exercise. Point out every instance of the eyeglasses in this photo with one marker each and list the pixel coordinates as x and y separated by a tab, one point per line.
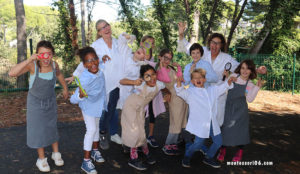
104	27
167	58
92	60
45	55
215	43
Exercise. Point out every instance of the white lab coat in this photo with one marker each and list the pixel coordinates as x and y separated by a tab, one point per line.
113	70
218	66
202	104
131	72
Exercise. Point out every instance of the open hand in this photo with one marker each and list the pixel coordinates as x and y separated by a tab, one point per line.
260	83
65	94
231	79
181	27
262	70
105	58
69	80
138	82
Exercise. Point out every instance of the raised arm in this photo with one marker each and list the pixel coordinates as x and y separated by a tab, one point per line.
183	44
23	67
180	91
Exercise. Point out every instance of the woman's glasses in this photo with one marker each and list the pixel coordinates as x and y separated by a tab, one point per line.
104	27
167	58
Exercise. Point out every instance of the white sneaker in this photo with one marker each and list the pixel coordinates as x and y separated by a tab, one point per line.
56	156
43	165
116	138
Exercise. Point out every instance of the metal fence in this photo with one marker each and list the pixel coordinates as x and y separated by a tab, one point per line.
283	72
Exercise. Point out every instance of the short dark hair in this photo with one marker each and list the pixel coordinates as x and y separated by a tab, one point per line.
84	51
220	36
250	64
196	46
45	44
145	68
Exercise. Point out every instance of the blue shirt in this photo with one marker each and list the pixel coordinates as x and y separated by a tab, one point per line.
94	86
211	76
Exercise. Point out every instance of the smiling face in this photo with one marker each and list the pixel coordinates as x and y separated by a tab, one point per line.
245	72
215	46
104	30
166	59
198	80
45	56
196	55
91	62
150	78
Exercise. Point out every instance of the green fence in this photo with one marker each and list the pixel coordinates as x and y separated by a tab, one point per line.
283	72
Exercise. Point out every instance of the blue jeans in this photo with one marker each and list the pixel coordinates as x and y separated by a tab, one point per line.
109	120
198	143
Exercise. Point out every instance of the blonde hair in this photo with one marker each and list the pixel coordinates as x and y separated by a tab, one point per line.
97	23
201	71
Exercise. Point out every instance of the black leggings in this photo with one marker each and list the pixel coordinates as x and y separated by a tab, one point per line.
151	115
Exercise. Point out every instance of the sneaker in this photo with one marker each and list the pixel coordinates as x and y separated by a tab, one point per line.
56	156
137	164
152	142
88	167
211	162
221	154
43	165
238	156
175	149
186	162
116	138
96	156
103	142
150	160
168	150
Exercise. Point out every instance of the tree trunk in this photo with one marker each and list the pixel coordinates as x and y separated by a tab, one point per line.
165	30
21	40
195	31
82	7
90	8
73	25
189	21
211	19
235	22
259	44
126	11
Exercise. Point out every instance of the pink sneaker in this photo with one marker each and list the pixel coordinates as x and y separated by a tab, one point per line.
221	154
238	156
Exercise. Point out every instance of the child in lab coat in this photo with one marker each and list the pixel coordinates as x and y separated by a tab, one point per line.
202	100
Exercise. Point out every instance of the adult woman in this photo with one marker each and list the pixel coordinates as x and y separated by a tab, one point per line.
113	53
215	55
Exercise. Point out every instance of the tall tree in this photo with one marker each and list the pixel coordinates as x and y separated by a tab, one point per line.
211	19
235	21
21	39
73	25
82	7
196	16
125	5
160	11
90	7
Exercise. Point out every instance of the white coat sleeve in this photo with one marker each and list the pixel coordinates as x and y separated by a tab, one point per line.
221	89
183	46
75	99
123	47
181	92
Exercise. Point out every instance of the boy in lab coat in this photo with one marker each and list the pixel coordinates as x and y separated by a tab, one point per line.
202	120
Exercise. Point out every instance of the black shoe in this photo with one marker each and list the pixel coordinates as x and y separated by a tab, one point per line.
137	164
150	160
104	144
186	162
212	162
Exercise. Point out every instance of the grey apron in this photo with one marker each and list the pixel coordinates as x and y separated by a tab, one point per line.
235	129
42	112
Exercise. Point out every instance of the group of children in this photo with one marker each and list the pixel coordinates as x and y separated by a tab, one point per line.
192	108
